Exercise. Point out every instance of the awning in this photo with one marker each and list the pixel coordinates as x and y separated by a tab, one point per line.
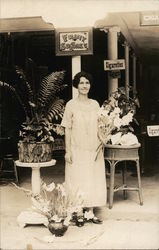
24	24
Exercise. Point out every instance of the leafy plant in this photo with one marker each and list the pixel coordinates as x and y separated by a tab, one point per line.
43	108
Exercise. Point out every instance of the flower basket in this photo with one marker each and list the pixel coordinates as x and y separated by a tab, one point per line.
35	151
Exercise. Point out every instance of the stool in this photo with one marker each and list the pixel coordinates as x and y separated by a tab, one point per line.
8	170
117	153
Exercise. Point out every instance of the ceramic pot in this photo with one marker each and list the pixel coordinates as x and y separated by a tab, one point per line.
35	152
57	228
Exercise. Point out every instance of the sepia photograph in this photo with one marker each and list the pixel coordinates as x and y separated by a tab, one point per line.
79	124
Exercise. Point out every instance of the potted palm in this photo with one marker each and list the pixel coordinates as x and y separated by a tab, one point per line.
43	109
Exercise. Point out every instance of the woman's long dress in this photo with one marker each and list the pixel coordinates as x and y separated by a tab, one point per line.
85	175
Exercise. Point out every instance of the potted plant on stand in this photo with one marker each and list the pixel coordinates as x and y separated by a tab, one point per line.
42	108
120	144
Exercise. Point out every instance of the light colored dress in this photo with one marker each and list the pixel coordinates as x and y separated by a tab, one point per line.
85	174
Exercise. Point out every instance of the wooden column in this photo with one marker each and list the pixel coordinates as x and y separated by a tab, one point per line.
134	75
127	68
76	67
112	55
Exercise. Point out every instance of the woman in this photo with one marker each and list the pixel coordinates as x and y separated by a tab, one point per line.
83	171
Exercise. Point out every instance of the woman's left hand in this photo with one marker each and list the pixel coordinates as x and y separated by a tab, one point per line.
68	158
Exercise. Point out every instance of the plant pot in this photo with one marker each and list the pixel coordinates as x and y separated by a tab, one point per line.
35	151
57	228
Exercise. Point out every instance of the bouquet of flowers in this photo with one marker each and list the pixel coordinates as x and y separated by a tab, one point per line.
115	118
54	203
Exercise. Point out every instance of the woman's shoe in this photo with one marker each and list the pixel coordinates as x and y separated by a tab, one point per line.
80	221
96	220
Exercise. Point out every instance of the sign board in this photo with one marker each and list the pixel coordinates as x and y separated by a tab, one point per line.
149	18
114	64
74	41
153	130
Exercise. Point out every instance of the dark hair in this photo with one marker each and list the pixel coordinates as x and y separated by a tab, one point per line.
77	77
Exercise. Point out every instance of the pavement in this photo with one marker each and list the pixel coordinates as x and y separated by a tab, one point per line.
126	226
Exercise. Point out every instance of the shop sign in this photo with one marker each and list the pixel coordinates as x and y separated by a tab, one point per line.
149	18
114	64
153	130
74	41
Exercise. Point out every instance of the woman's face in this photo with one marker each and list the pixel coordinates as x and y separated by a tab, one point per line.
84	86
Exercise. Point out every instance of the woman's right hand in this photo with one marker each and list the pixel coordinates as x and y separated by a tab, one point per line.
68	157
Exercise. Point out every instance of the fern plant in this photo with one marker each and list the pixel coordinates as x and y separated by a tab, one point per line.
43	109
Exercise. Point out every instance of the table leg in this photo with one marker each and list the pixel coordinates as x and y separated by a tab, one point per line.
111	186
139	182
35	180
124	172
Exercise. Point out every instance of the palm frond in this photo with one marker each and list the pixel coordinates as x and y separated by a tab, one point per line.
14	93
56	110
28	90
49	86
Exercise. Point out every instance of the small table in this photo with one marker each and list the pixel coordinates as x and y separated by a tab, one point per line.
117	153
30	216
35	179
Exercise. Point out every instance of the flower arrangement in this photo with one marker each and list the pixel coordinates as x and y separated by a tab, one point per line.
54	203
115	119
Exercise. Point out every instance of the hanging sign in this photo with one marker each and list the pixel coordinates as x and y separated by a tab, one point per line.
153	130
74	41
149	18
114	64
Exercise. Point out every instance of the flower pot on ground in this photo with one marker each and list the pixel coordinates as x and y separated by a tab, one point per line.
58	228
43	109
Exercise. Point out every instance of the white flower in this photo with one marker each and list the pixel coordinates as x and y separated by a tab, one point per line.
126	119
117	110
103	112
117	122
43	185
115	139
61	189
67	221
129	139
49	187
56	218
